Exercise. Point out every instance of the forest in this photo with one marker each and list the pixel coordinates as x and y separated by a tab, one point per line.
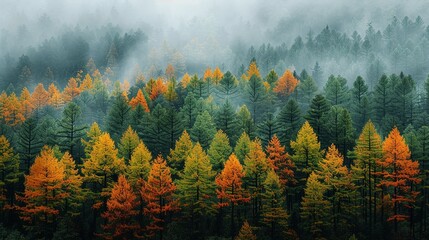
323	138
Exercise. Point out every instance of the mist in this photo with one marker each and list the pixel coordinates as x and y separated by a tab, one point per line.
204	33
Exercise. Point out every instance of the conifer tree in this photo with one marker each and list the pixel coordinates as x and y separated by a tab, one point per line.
230	191
128	143
318	108
315	209
219	150
242	147
196	187
256	167
273	213
118	118
177	157
120	213
288	121
42	196
203	130
226	120
157	192
245	232
9	173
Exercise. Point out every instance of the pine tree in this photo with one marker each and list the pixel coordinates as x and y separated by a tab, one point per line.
71	90
157	192
306	149
288	121
121	209
139	165
286	84
267	128
196	188
9	173
102	168
256	168
273	213
203	130
336	90
255	95
118	117
172	125
71	131
219	150
227	86
72	186
91	138
367	152
245	232
154	134
279	161
39	97
318	108
307	88
139	99
29	143
230	191
245	122
226	120
315	209
272	78
189	111
128	143
177	157
359	102
399	173
242	147
337	179
43	197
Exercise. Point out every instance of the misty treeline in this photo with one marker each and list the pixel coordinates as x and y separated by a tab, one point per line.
401	45
215	155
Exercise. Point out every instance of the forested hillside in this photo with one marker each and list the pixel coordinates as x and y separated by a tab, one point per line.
191	132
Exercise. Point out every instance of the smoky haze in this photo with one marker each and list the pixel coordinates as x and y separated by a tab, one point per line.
204	32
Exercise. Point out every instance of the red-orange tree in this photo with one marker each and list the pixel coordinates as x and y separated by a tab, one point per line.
399	173
158	192
286	84
230	191
120	213
42	195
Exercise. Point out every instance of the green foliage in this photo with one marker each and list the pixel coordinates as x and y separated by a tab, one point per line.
203	130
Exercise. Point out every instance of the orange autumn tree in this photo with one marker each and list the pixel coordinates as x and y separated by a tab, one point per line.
72	90
217	75
208	74
43	196
55	97
139	99
279	160
157	193
86	83
12	110
185	80
230	191
253	70
286	84
120	213
26	104
158	88
40	96
399	174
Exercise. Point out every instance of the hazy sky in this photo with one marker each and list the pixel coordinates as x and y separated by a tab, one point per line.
229	17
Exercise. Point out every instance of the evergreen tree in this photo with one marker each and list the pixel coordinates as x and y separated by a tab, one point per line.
242	147
189	111
9	173
315	209
29	143
203	130
226	120
177	157
128	143
196	188
359	102
245	121
336	90
118	118
255	95
219	150
289	121
273	213
172	125
318	108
